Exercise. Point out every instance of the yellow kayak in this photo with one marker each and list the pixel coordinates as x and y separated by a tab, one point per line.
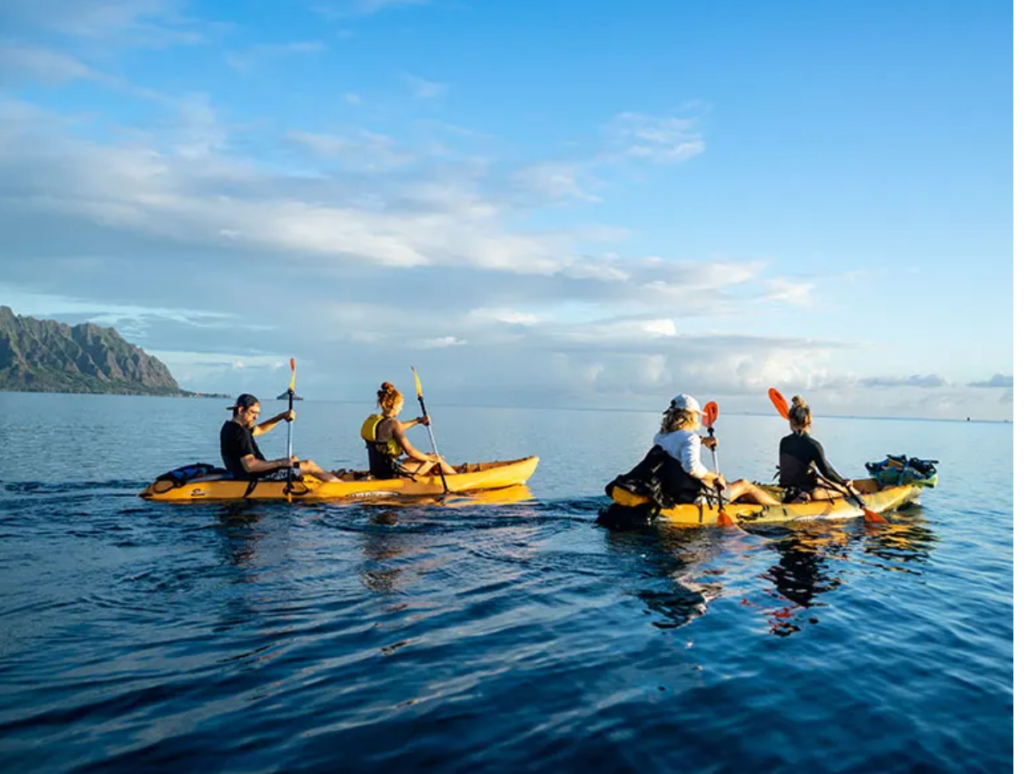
875	498
472	477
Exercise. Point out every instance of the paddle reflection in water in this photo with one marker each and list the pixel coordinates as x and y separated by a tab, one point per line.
815	559
907	539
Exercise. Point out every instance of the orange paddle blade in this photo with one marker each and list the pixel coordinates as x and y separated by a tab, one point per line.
419	385
292	374
724	519
779	402
874	518
710	412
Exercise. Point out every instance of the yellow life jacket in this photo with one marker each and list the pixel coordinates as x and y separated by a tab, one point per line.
390	448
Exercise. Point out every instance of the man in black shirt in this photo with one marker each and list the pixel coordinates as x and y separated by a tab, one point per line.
240	452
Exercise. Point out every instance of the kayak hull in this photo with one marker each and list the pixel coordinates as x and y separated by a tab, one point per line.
877	500
476	477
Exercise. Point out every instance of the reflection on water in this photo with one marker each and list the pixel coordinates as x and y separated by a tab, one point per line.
908	540
677	586
808	565
815	559
135	636
237	525
509	495
379	547
683	569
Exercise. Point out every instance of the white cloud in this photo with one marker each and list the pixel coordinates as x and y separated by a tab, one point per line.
436	343
129	23
320	144
34	63
359	267
244	61
556	181
916	380
997	380
423	88
506	316
668	139
790	291
372	6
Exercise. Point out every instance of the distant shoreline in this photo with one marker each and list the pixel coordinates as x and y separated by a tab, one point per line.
182	394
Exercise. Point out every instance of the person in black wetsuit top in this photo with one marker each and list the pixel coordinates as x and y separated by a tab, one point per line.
240	452
800	454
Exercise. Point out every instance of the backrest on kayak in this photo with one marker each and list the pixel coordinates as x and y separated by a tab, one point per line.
662	479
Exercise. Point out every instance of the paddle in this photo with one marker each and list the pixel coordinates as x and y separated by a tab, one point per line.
869	516
710	412
433	443
290	427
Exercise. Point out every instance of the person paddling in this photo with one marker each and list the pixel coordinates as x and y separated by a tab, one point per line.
386	442
240	452
687	482
800	453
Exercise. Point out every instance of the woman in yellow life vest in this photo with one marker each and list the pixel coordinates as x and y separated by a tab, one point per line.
385	439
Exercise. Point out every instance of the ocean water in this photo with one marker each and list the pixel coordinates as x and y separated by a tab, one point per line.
513	636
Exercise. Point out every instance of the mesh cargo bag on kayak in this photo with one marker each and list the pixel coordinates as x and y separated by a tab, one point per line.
187	473
902	470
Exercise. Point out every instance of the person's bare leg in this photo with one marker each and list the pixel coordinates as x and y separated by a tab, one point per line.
824	493
748	492
426	467
311	469
417	468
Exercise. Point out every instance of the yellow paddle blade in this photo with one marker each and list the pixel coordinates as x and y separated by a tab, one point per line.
419	385
292	374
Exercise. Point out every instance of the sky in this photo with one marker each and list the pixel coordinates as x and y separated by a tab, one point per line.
581	204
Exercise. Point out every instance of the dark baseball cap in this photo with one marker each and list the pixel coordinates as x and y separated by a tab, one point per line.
244	400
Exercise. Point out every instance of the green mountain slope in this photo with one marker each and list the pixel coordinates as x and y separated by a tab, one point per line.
48	356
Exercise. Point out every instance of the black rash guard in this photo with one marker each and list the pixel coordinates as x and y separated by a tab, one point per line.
237	442
798	451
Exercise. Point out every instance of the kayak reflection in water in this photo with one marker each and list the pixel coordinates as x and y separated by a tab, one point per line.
799	454
686	481
240	452
386	442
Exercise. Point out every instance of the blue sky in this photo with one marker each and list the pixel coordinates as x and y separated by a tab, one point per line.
592	204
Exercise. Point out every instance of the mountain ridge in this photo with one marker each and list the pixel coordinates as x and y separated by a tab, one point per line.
51	356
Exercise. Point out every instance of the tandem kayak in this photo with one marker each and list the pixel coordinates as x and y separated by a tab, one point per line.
357	485
875	498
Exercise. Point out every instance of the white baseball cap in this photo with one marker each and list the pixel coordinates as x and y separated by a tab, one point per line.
686	403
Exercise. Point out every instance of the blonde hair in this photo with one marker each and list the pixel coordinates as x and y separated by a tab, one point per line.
388	396
800	414
675	419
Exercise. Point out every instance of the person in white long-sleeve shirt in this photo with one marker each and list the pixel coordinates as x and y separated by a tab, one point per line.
679	438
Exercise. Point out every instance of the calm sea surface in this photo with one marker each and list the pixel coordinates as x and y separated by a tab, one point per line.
140	636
